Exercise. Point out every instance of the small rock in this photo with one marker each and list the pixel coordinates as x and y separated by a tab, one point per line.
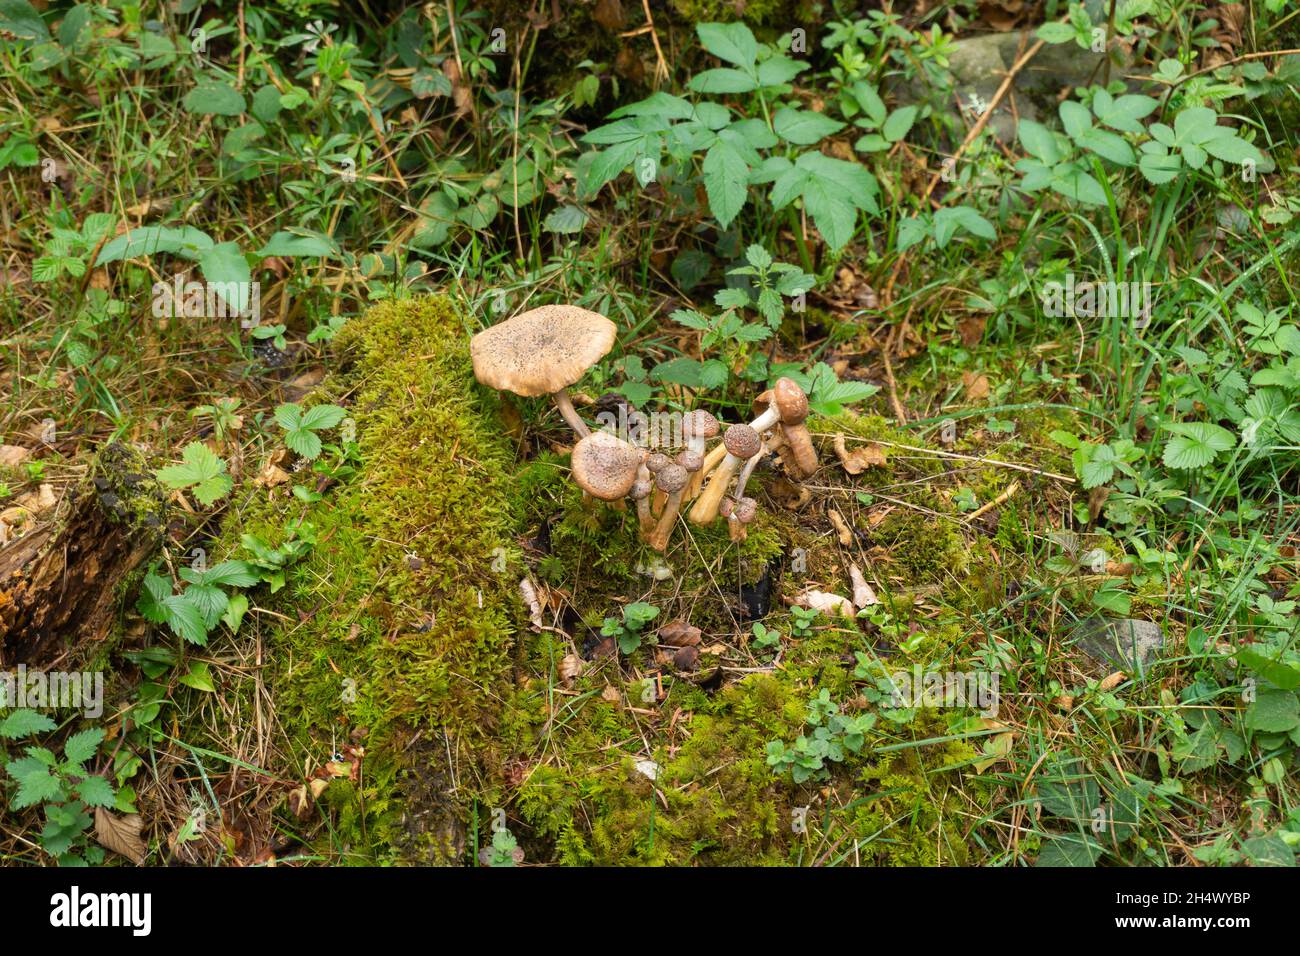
1126	644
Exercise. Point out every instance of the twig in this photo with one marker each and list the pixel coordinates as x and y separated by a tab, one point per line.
995	503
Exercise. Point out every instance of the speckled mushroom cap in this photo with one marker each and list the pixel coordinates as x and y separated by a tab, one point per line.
691	460
605	466
746	509
672	478
541	351
657	462
699	424
742	441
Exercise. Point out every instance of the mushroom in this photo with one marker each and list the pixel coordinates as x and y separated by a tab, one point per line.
697	428
605	466
656	463
542	352
741	443
786	404
672	479
742	513
640	493
692	461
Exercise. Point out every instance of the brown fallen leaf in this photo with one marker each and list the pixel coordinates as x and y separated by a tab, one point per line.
120	834
977	386
272	476
841	526
1112	681
863	593
528	593
679	633
569	668
686	658
11	456
858	460
831	605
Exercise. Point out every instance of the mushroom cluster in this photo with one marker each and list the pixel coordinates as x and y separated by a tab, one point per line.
546	350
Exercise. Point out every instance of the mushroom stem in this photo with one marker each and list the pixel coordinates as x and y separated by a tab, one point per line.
743	478
570	414
659	537
706	505
711	460
803	457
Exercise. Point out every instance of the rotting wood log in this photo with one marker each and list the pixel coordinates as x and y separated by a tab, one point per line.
60	584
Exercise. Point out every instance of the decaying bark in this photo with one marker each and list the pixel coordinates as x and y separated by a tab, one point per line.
60	583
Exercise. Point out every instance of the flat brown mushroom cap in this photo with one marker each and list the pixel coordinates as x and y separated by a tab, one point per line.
542	350
605	466
791	401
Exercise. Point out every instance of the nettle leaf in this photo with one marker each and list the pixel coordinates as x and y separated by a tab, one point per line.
680	371
23	723
804	127
80	747
96	792
1196	444
202	471
723	81
35	782
832	191
779	70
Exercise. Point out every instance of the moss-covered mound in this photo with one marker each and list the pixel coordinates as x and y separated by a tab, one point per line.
401	642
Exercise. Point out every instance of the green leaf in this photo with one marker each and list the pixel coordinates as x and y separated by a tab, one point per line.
725	181
202	471
199	677
1038	141
1196	444
566	219
23	723
1273	711
236	608
22	20
214	99
185	241
322	417
96	792
1277	673
722	81
35	782
287	244
186	619
303	442
80	747
1055	32
899	123
732	42
804	127
227	273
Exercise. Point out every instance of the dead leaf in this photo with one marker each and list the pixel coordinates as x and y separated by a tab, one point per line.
679	633
997	748
863	594
686	658
610	695
1112	681
528	591
841	526
272	475
120	833
1097	500
609	14
829	604
861	458
971	330
977	386
11	456
570	667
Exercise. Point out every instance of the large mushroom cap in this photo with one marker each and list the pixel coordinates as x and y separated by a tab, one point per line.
541	351
699	424
605	466
791	401
742	441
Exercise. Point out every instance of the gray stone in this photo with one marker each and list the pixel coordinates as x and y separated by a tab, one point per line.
980	63
1125	644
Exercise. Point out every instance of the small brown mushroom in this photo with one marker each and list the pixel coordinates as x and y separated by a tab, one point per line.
742	513
742	443
672	479
542	352
697	428
787	405
605	466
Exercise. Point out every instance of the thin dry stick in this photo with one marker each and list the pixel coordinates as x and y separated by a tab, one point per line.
995	503
661	67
